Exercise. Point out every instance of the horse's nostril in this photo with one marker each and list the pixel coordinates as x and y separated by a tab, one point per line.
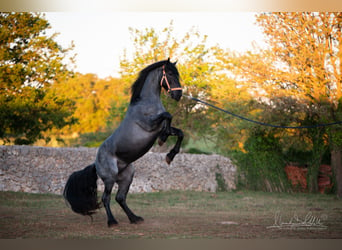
176	95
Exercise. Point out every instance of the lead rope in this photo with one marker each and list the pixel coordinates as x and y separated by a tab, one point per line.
261	123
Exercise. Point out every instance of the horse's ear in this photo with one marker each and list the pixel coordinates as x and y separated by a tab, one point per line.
168	60
175	63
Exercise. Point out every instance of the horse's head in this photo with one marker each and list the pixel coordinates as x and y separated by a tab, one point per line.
170	80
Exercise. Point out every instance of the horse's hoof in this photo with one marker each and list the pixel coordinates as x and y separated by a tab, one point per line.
137	220
168	160
112	223
160	142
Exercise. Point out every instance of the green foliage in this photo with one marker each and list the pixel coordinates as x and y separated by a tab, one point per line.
26	118
297	156
262	166
90	140
30	63
27	56
117	112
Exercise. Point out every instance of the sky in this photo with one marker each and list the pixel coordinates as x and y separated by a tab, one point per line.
100	38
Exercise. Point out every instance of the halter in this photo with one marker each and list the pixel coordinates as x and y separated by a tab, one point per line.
167	82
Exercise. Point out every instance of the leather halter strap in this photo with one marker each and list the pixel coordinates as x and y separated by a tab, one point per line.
167	82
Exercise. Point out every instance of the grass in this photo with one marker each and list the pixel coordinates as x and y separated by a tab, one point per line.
176	214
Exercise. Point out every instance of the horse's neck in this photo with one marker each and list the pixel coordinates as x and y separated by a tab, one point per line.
151	89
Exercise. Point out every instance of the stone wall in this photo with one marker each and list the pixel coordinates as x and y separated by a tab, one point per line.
45	170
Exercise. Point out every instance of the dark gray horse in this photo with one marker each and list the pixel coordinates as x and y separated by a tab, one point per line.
145	121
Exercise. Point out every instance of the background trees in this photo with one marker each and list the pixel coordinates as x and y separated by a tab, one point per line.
100	105
29	64
94	100
298	81
295	81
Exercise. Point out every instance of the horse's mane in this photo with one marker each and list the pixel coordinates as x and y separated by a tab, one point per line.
139	82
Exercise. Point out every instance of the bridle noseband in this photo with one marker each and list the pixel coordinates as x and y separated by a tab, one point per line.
167	82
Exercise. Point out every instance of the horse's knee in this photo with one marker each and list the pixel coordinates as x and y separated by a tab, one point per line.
180	134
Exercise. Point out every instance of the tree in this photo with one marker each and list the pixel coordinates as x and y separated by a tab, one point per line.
206	73
196	67
299	80
30	62
96	102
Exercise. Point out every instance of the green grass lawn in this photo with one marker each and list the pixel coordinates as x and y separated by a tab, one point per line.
177	214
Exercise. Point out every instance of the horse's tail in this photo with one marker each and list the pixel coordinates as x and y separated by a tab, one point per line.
81	191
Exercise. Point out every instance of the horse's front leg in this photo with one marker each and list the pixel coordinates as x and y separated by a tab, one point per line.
163	136
175	150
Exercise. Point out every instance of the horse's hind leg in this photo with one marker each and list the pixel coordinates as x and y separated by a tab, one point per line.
107	169
124	181
106	202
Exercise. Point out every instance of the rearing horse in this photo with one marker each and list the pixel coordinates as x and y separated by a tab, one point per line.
145	121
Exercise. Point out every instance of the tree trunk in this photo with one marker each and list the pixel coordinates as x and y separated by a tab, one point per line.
317	154
312	177
336	164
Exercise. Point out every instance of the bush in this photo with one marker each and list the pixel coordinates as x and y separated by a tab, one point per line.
262	166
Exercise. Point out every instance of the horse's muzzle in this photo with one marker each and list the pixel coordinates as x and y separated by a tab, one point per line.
176	94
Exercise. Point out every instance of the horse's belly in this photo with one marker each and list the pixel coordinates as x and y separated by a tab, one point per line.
133	148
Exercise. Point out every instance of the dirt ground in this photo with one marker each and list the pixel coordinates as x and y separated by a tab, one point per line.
178	215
